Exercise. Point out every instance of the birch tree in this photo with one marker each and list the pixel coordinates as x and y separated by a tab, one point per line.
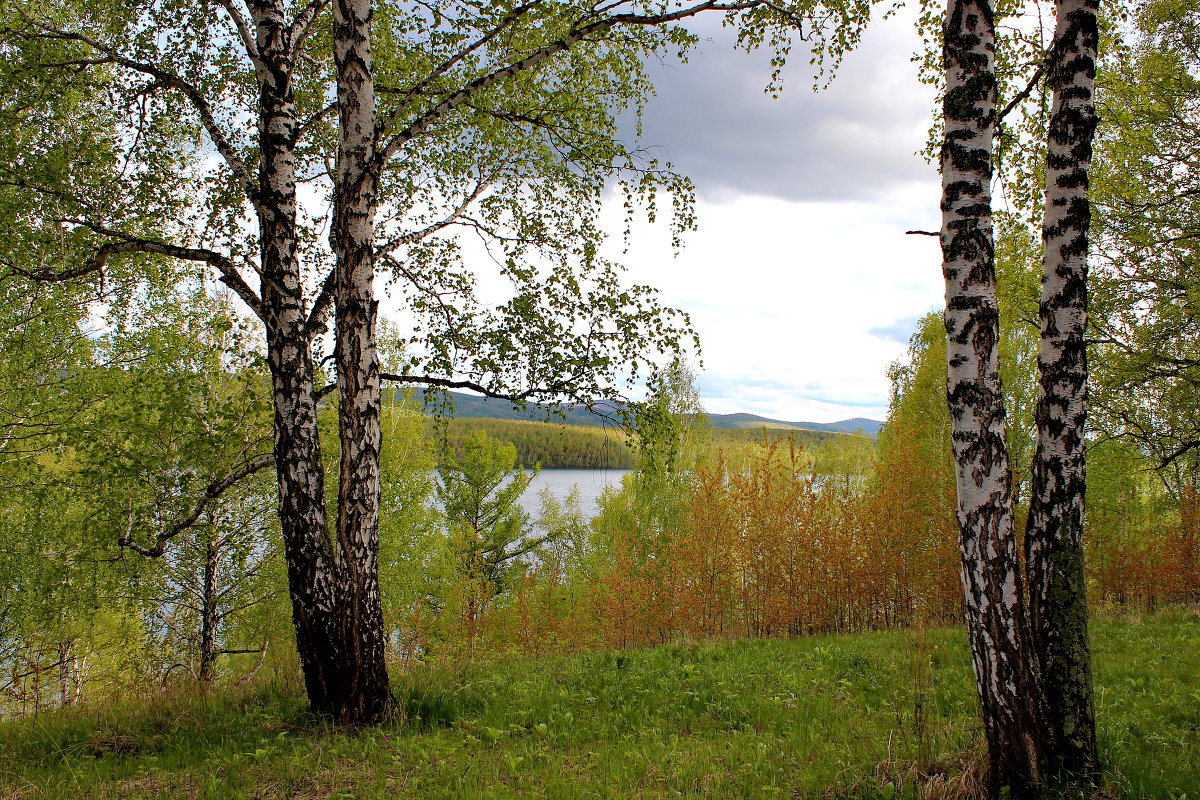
408	123
1056	646
1054	532
1006	678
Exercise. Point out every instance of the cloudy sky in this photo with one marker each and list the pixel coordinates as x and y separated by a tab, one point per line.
800	279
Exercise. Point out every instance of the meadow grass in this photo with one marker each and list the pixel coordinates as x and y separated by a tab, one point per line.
876	715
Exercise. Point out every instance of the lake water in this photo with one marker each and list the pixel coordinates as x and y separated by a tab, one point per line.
591	483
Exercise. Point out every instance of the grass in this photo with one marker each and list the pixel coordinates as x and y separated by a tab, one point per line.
876	716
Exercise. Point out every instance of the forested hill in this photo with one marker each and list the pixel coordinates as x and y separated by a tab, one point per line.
466	406
551	446
555	445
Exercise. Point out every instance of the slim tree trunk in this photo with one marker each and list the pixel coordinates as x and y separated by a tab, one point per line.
1189	517
1054	533
78	674
66	668
312	577
1006	681
366	695
209	617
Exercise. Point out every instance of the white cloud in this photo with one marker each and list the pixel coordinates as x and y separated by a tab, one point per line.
853	140
800	280
789	297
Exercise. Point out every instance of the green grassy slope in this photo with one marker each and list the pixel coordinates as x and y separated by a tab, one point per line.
870	716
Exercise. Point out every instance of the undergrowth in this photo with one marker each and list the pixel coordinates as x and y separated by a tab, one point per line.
878	716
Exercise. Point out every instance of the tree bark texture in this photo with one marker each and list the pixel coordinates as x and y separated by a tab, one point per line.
209	613
311	562
353	236
67	668
1006	680
1054	533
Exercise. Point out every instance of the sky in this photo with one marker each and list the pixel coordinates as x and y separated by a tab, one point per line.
800	279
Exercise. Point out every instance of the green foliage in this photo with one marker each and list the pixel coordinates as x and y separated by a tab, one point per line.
918	401
671	427
188	407
406	475
569	532
726	437
71	145
816	717
1142	547
135	423
1145	294
1018	282
848	455
672	434
49	581
488	529
416	564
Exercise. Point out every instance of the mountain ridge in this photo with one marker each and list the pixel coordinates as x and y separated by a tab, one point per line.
868	426
468	406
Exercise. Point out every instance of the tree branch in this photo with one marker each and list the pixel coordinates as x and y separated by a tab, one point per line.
426	120
94	264
450	63
303	127
436	296
414	236
40	668
447	383
1056	49
169	79
301	26
132	244
1023	94
173	667
324	299
247	38
321	305
1170	458
211	492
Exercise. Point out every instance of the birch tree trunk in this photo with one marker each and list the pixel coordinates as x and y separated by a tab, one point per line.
66	671
1006	681
209	613
311	565
366	696
1054	533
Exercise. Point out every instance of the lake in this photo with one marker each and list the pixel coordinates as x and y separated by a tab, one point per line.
591	483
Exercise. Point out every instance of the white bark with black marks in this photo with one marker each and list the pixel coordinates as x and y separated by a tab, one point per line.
210	613
991	576
353	238
312	577
1054	534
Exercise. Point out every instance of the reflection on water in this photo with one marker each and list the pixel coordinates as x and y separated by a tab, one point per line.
591	483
